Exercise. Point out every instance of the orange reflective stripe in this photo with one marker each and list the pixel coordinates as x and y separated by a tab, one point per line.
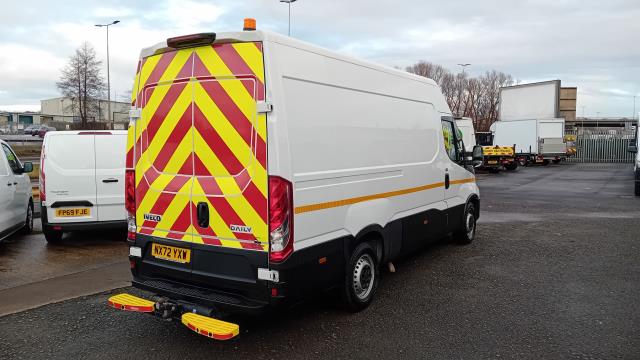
354	200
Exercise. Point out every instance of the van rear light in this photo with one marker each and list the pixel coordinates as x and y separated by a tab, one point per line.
130	202
43	193
280	219
191	40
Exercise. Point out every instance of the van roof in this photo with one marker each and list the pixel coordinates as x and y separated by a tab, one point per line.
78	132
262	35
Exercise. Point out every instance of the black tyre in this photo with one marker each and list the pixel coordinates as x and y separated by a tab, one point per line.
556	161
545	162
467	232
361	278
28	225
512	166
637	191
52	236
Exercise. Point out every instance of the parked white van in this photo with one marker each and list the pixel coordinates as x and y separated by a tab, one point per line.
82	181
16	203
262	168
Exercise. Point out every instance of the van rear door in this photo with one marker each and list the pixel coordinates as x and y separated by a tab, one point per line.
71	183
109	149
201	175
229	213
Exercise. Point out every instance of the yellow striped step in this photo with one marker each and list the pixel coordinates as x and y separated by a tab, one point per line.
209	327
131	303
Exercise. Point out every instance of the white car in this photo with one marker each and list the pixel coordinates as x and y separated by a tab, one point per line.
82	181
16	203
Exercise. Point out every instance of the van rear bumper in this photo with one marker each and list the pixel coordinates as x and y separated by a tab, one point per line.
80	226
220	301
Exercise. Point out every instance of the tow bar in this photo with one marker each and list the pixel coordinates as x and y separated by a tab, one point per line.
167	309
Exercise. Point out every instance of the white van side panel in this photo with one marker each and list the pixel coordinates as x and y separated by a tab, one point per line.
342	132
110	150
70	173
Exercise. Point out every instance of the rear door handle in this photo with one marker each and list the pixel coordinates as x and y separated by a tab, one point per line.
446	181
203	214
8	184
110	180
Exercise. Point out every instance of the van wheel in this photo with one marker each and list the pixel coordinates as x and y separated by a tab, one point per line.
28	224
637	191
361	278
52	236
467	233
556	161
512	166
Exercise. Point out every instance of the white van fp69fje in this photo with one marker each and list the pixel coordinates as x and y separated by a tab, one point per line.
82	181
261	168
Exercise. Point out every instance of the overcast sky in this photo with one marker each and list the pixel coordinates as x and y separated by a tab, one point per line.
594	45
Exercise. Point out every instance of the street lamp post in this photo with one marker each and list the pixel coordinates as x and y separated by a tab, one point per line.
464	66
634	107
289	2
108	72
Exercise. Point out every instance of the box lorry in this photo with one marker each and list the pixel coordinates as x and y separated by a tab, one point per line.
261	169
538	141
530	117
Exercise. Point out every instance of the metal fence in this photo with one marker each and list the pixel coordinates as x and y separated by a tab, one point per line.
603	146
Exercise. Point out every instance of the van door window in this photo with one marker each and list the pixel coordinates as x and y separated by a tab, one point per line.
12	159
449	139
3	168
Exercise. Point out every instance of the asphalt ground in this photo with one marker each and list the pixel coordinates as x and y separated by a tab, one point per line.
554	273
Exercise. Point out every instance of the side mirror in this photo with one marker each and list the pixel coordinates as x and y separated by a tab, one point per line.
477	156
632	148
27	167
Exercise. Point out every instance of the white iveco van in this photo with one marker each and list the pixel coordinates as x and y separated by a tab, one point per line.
82	181
261	168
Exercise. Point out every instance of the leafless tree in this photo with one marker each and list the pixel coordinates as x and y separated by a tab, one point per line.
82	82
477	98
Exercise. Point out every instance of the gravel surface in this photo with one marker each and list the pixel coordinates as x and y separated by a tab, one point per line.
554	273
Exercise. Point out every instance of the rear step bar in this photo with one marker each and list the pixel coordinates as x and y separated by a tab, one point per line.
203	325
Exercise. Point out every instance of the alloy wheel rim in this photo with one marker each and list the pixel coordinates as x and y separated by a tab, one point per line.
30	217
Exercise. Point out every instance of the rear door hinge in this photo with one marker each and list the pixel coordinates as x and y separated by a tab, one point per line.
268	275
264	107
134	115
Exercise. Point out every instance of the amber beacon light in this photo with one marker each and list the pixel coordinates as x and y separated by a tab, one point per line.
249	24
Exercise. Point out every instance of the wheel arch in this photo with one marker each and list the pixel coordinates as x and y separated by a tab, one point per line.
374	234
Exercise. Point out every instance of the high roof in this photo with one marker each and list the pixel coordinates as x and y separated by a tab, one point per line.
268	36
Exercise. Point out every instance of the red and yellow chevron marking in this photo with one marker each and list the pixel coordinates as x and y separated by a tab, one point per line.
200	139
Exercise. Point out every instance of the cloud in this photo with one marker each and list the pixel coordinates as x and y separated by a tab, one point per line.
589	43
